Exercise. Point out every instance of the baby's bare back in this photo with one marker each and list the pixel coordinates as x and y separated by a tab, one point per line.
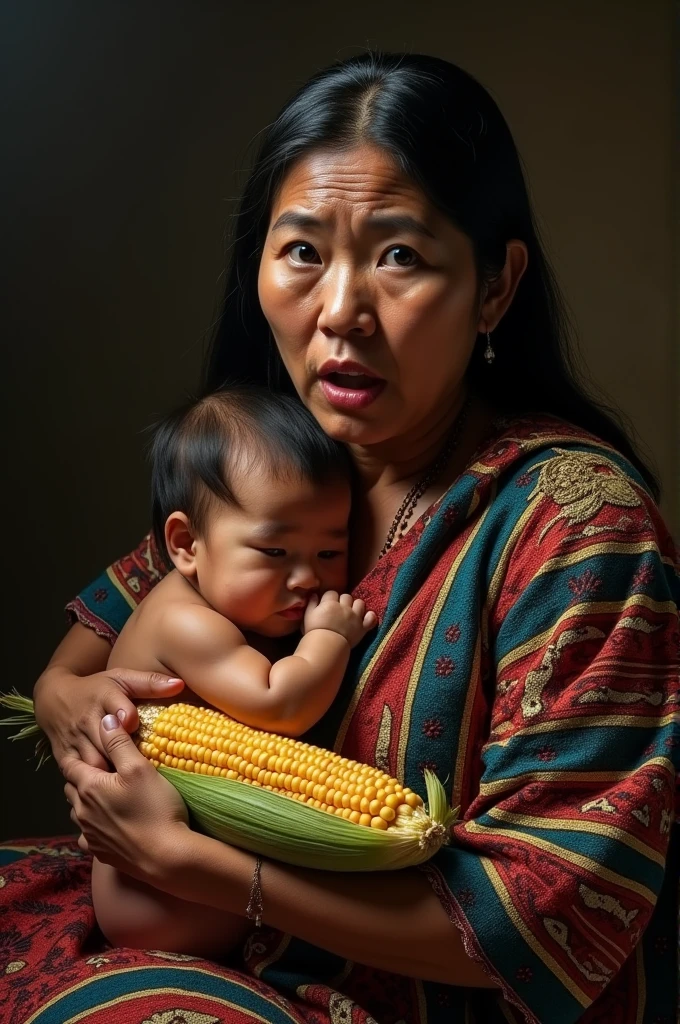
139	644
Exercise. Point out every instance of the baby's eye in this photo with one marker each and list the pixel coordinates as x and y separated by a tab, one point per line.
273	552
401	256
303	252
329	554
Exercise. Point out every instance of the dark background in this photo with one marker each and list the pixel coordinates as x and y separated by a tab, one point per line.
126	133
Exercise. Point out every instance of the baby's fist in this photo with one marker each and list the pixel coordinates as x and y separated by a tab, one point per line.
341	614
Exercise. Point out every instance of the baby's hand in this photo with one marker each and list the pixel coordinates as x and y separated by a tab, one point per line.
341	614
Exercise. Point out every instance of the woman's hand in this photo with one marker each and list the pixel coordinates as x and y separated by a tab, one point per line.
69	708
74	693
131	818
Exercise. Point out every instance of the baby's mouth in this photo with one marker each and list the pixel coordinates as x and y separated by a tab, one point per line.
295	612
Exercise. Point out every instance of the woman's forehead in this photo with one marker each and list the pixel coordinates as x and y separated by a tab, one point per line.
363	176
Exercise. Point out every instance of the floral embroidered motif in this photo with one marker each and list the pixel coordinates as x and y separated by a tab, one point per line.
585	585
433	728
101	594
444	666
429	765
452	633
582	484
547	754
450	515
466	897
523	480
643	576
524	974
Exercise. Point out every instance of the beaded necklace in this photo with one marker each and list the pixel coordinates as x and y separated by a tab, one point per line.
410	502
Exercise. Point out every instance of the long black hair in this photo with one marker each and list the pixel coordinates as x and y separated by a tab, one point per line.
448	135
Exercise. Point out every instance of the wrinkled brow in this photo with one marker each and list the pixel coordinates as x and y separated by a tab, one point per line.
385	222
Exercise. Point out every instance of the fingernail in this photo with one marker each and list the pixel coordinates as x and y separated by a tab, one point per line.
110	722
120	715
175	680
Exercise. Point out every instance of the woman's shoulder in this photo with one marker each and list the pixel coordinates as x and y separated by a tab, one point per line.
519	451
558	484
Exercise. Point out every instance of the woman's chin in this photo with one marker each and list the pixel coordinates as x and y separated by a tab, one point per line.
363	427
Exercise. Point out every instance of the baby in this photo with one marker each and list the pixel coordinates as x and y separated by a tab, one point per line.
251	504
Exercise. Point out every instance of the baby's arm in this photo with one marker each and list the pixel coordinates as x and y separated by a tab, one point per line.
212	657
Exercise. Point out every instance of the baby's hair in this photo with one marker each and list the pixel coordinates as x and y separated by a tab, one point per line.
196	450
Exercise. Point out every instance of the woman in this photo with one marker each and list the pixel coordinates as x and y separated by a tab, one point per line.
387	269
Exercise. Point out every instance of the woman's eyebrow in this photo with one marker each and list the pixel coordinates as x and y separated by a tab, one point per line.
395	222
291	219
390	222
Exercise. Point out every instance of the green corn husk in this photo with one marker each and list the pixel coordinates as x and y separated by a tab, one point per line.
25	718
274	826
285	830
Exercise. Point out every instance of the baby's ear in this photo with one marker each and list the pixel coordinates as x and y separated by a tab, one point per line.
180	541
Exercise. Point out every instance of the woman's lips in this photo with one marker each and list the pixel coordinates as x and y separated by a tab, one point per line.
351	390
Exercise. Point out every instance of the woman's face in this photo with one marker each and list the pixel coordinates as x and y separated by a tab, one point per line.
371	294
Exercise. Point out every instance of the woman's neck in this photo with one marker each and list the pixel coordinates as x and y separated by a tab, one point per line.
387	472
407	457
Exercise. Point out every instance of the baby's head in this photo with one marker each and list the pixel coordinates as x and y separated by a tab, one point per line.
251	504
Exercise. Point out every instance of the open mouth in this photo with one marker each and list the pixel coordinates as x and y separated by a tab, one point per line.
349	386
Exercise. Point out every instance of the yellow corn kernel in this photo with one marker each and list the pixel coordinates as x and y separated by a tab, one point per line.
207	742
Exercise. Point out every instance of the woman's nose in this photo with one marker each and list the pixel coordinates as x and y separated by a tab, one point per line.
347	309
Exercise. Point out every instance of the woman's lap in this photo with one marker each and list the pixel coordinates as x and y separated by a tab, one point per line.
55	966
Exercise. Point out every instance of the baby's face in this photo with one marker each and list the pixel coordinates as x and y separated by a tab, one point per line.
259	565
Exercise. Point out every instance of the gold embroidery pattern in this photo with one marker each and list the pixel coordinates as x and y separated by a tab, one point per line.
593	969
537	680
382	746
181	1017
609	904
582	484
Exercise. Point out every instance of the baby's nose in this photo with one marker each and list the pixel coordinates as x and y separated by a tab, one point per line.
303	577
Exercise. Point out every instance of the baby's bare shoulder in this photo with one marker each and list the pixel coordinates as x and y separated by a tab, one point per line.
193	625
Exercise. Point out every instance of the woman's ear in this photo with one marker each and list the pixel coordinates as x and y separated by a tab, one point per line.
500	292
180	541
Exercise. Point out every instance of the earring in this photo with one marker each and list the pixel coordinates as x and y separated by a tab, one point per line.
489	353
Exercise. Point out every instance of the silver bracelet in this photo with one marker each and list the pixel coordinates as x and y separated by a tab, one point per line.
254	908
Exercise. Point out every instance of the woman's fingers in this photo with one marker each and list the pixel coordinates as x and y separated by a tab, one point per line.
82	843
134	685
346	600
89	754
119	747
370	620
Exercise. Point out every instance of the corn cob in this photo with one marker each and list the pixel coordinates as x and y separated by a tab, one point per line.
289	800
207	742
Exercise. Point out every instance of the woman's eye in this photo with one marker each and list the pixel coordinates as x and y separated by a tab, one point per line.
400	256
273	552
303	252
329	554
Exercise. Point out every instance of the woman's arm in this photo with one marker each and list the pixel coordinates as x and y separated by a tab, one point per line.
390	921
393	922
